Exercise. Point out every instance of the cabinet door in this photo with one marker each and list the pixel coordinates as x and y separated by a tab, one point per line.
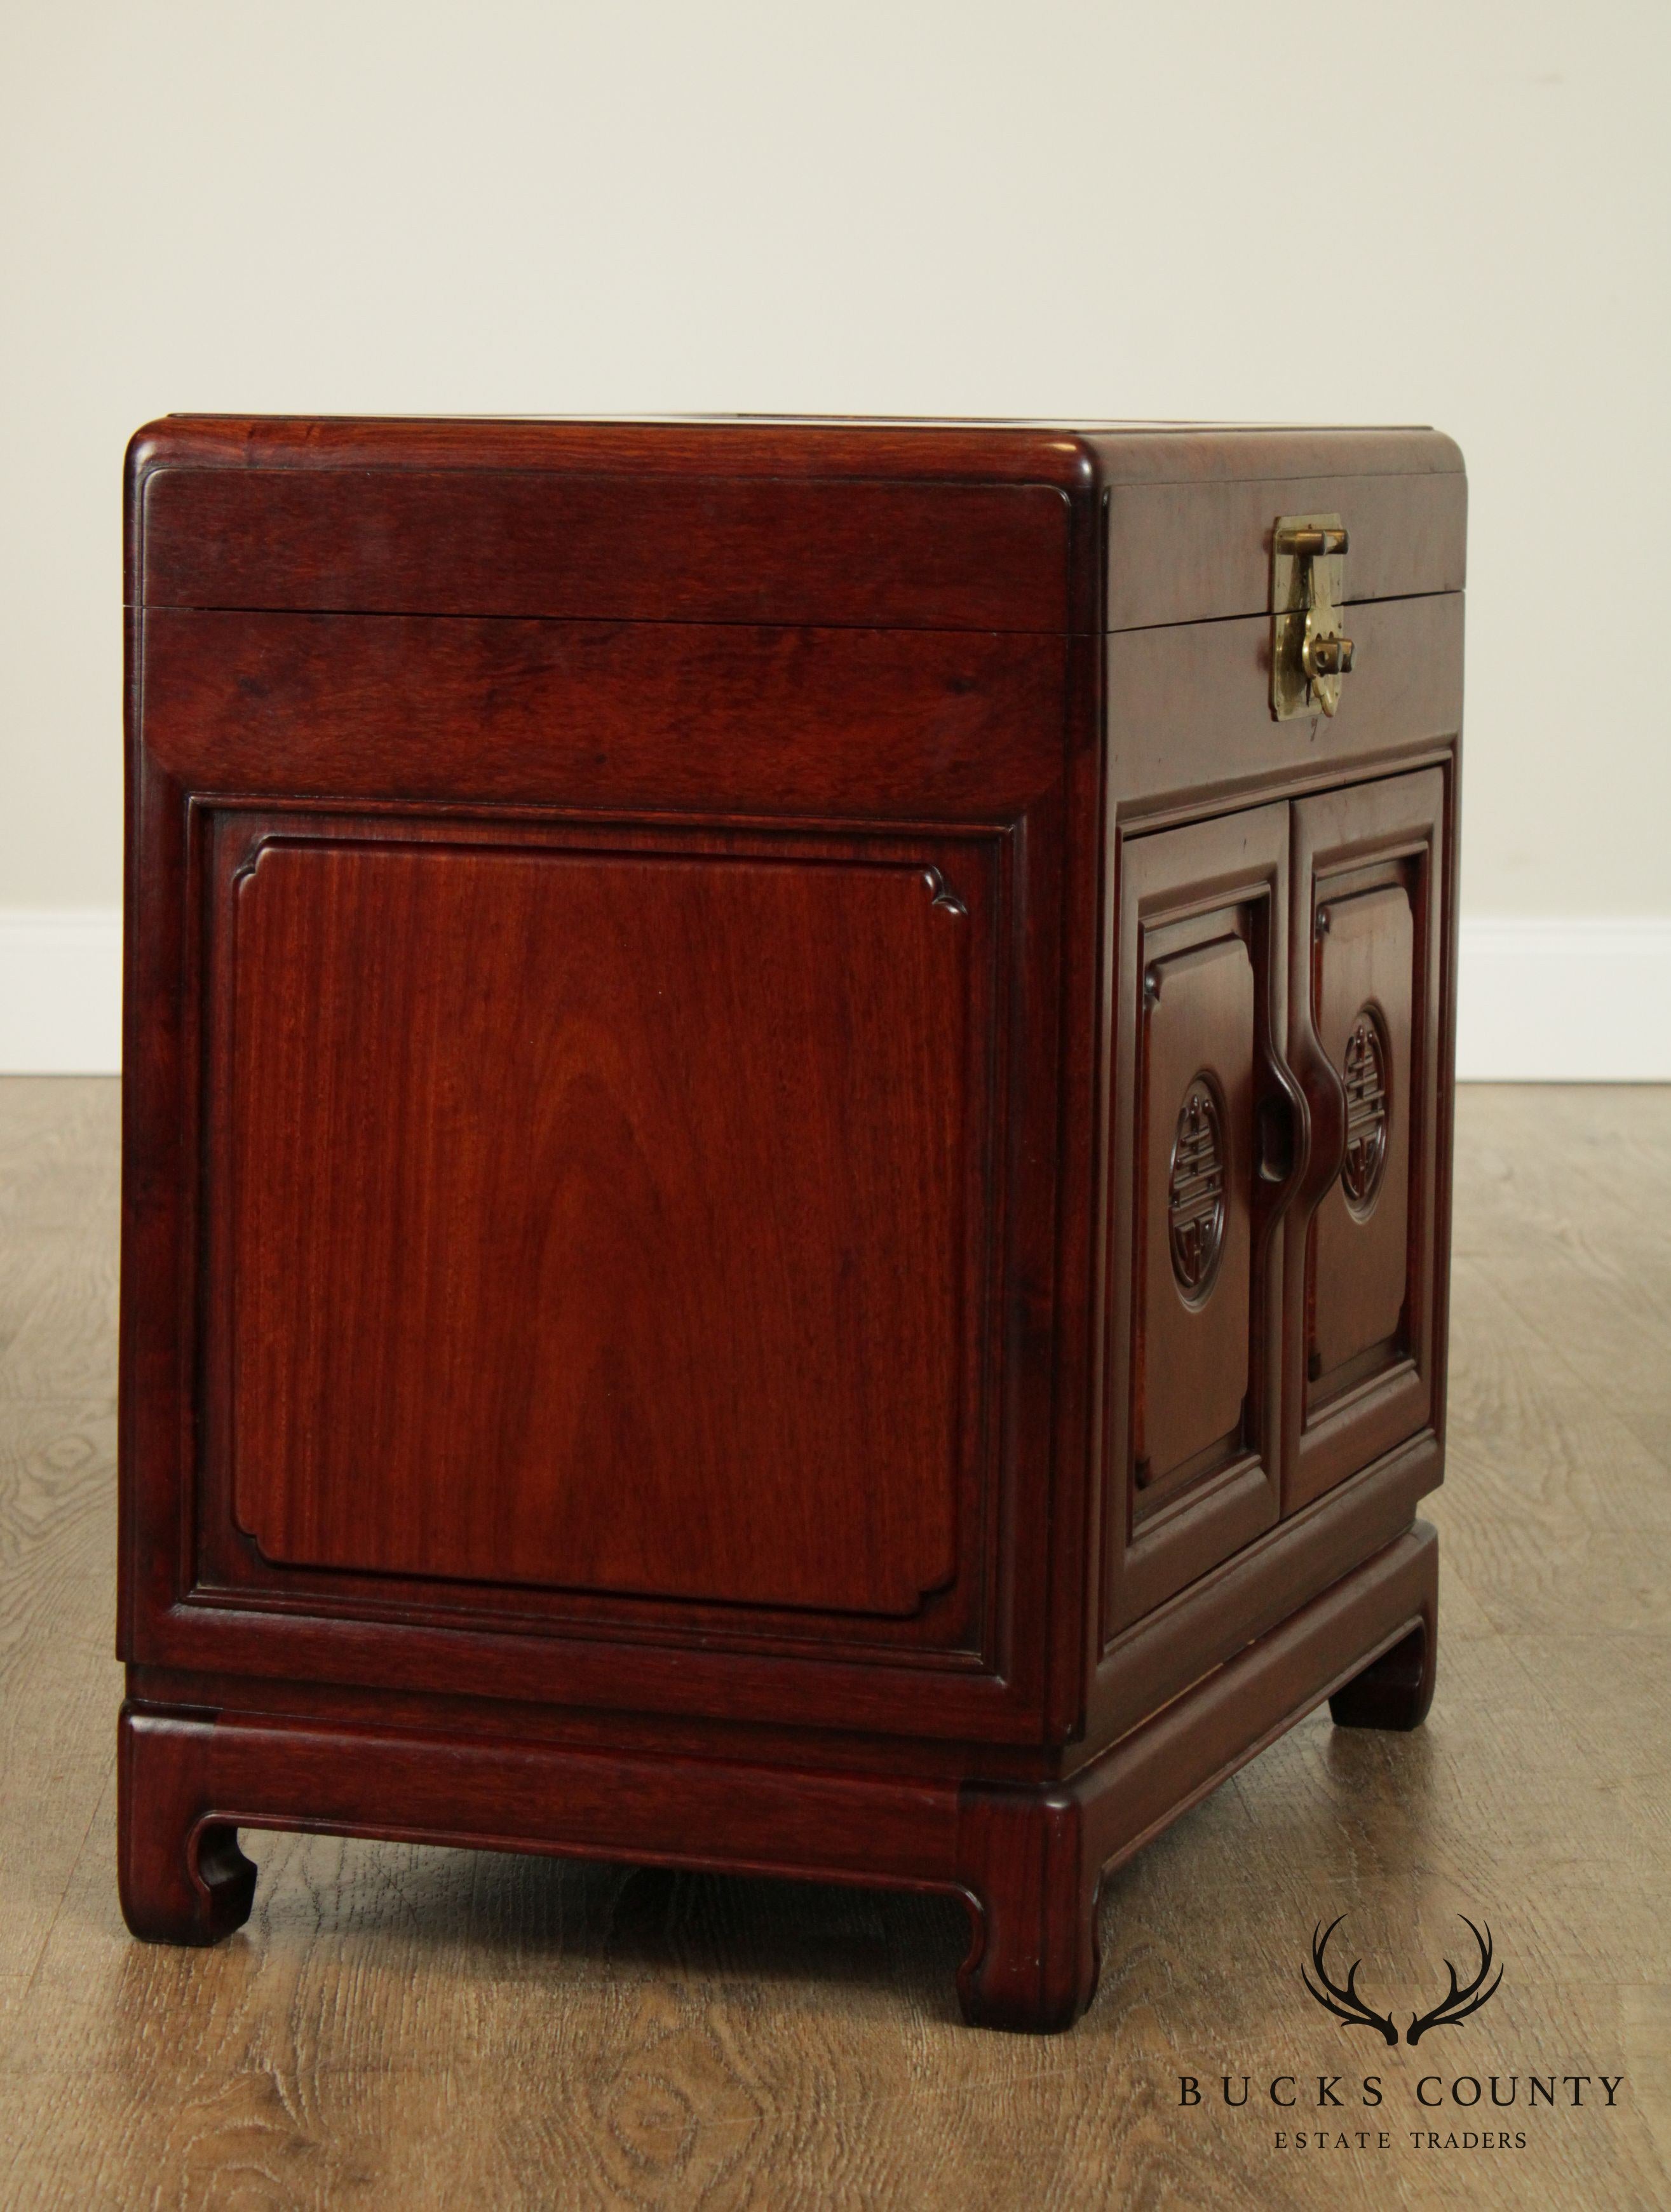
1366	1043
1204	1119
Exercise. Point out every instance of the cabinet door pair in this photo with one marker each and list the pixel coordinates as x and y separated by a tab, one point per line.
1277	1081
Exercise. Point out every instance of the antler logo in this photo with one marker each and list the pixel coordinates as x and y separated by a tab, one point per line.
1344	2003
1458	2002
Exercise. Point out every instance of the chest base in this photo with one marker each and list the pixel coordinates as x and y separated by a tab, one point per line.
1027	1858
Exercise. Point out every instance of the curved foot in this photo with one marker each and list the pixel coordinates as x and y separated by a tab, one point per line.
1395	1690
1034	1965
183	1879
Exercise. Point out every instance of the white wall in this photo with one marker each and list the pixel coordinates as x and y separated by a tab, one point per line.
1447	211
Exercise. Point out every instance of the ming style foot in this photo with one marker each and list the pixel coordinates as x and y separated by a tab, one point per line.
183	1879
1033	1968
1395	1690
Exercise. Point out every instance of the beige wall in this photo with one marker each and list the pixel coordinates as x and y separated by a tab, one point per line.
1454	212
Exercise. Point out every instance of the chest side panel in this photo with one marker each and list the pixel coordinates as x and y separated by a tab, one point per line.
1348	1337
594	1208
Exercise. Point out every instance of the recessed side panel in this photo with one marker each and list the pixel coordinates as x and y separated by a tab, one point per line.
608	1220
1366	1040
1204	1135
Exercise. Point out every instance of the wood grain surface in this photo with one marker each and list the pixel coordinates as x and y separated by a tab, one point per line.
959	525
668	1219
404	2027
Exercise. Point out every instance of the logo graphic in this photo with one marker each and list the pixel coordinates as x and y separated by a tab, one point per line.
1344	2001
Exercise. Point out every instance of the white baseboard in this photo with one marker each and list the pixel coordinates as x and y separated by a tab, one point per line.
1541	1000
60	991
1565	1000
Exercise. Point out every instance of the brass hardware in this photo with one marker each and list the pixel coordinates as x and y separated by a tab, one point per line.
1311	545
1308	656
1326	656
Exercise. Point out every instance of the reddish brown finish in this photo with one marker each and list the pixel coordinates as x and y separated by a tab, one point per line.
1194	1209
452	542
181	1877
1029	1862
1408	536
1210	1619
1035	1861
686	1262
680	1081
1155	1659
1397	1690
644	720
1363	975
1196	728
1193	1457
439	715
1369	920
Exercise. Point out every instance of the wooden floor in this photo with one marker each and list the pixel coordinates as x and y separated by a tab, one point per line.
404	2027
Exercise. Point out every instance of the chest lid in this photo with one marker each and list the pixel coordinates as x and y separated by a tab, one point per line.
1041	528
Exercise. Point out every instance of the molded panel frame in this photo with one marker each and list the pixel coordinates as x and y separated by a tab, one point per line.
951	1617
1359	839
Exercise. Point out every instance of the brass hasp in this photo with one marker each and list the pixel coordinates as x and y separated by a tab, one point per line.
1309	655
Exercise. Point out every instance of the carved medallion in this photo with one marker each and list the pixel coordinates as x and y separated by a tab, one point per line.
1365	1073
1196	1194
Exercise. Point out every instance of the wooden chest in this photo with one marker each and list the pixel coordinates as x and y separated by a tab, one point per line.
786	1141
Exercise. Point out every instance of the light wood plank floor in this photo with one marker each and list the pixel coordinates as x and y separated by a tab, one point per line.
404	2028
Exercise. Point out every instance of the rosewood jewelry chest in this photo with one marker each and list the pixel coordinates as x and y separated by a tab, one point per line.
786	1141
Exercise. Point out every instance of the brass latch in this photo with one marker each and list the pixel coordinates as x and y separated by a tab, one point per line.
1308	656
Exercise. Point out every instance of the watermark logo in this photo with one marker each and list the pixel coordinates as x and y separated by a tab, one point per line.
1463	2112
1343	2000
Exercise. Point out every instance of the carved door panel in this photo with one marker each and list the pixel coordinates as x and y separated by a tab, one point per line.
1205	1121
1365	1041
